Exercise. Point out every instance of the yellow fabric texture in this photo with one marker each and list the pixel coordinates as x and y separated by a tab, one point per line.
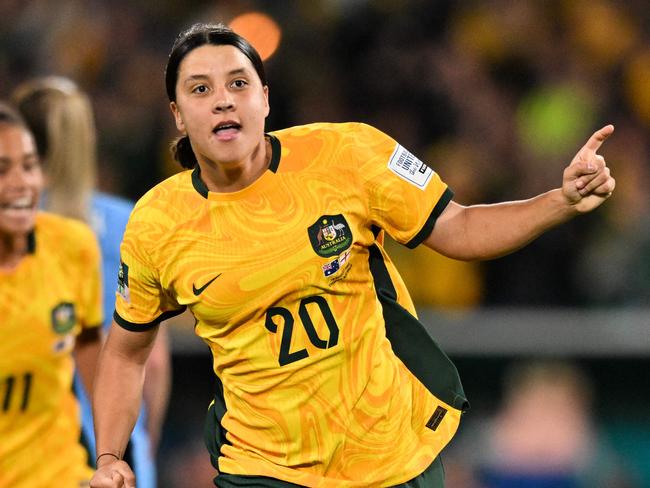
46	301
314	394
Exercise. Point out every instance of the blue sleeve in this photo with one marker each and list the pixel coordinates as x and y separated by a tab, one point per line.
109	216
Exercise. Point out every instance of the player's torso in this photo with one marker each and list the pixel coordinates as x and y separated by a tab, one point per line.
281	279
269	272
277	276
38	413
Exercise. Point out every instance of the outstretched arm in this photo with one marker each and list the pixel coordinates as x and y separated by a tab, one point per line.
116	402
482	232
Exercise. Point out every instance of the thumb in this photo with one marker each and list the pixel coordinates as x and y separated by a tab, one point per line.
118	479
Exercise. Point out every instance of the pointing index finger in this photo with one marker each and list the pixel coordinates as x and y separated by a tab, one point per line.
597	138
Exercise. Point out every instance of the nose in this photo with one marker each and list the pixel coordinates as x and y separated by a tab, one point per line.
18	178
223	102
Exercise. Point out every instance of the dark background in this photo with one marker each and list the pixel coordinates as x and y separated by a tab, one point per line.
496	96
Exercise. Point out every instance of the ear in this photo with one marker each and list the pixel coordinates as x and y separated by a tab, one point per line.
267	108
180	125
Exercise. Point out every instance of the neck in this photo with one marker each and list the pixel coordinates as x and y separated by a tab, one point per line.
230	177
12	250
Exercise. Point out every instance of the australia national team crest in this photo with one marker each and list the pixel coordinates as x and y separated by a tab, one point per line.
330	235
63	317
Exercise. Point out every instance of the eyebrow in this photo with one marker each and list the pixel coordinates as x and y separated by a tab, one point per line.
25	156
233	72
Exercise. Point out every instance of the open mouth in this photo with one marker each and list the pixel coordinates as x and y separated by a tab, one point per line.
23	204
17	204
226	128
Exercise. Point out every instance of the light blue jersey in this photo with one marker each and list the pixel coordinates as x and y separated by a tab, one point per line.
109	215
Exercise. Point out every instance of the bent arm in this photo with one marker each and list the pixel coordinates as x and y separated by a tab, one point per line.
118	389
157	387
490	231
483	232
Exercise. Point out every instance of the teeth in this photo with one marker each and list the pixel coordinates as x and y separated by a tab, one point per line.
227	126
19	203
22	202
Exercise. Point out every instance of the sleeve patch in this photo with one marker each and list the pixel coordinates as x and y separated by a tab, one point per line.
123	282
409	168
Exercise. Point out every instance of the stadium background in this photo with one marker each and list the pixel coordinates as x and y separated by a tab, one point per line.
496	95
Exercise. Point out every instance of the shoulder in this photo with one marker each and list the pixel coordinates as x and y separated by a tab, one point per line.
161	208
64	233
165	195
323	145
59	226
327	130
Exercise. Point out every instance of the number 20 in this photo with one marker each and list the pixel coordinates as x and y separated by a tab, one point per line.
287	357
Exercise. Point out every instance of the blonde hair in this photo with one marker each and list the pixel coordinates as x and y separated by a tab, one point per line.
61	118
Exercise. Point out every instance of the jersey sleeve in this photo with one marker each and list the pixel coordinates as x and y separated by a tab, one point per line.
141	302
405	195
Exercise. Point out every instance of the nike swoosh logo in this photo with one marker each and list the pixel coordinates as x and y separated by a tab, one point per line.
198	291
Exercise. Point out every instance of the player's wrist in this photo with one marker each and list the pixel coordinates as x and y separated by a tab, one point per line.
106	458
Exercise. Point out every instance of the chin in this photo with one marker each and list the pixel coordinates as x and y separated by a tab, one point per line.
230	153
17	228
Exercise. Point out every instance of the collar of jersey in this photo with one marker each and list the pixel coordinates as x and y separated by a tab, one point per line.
31	242
276	150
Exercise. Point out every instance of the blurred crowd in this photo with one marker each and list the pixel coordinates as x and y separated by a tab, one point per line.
496	95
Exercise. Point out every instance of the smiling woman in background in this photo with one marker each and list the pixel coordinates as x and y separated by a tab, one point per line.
50	304
62	119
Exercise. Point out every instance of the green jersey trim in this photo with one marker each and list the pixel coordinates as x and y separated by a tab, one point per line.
426	229
133	327
411	342
31	242
276	152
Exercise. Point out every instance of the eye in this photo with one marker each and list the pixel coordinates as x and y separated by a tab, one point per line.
239	83
30	165
200	89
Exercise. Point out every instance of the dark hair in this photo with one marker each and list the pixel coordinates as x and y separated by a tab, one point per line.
32	110
10	116
198	35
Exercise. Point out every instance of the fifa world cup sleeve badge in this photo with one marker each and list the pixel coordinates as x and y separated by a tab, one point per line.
123	282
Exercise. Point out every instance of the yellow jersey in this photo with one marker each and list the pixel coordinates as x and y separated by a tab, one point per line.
326	378
45	301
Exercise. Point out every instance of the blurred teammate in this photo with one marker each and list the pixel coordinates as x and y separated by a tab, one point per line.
61	117
50	319
274	242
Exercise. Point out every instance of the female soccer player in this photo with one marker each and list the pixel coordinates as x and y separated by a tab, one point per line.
273	241
50	309
61	118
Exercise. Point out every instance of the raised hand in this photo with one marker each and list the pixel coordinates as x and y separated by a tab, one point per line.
587	181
